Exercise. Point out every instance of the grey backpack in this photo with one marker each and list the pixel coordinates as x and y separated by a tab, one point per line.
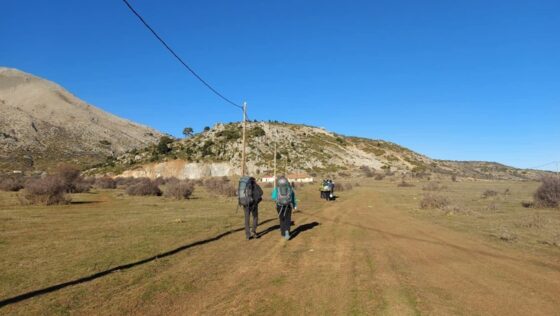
283	192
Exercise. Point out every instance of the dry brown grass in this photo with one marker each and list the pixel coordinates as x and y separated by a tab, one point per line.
489	193
431	201
404	184
433	186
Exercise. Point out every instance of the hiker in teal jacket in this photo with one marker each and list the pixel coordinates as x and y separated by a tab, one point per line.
285	199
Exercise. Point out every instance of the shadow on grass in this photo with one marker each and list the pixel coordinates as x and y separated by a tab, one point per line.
97	275
295	232
84	202
301	228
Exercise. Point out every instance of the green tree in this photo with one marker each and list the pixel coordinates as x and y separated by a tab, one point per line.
187	131
206	128
162	146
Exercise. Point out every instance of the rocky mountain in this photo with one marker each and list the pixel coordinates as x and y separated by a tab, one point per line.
42	124
217	152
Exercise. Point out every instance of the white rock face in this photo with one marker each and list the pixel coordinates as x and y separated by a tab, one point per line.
181	170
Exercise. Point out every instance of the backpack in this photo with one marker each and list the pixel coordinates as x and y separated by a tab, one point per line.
245	191
284	192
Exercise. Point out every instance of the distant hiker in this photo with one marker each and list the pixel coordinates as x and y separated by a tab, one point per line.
250	195
327	190
285	199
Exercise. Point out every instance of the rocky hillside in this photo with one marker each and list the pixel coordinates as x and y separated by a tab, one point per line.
42	124
217	152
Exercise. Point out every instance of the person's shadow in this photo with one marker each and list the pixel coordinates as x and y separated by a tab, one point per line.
298	230
301	228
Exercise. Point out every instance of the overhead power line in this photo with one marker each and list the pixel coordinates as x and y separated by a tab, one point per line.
546	164
179	58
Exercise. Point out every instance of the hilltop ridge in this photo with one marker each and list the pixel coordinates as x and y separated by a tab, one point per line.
42	124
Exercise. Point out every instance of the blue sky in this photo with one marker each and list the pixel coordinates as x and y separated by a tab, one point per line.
462	80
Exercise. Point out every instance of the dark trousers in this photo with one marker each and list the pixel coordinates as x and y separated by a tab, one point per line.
285	217
251	210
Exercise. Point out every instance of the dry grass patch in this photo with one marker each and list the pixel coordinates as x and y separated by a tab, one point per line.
431	201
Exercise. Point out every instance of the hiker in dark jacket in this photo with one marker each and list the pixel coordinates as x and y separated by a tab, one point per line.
285	199
252	208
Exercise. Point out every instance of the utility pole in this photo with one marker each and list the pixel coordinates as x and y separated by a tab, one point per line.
243	155
274	165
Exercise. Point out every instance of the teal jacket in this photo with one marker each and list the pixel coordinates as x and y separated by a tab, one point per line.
275	195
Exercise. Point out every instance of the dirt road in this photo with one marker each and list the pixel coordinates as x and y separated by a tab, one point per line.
358	255
361	256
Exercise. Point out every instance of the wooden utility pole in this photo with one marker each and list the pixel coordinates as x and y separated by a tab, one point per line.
243	155
274	165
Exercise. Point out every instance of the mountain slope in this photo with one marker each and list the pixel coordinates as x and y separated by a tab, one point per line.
42	124
217	152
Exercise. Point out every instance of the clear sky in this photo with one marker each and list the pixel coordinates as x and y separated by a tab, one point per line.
462	80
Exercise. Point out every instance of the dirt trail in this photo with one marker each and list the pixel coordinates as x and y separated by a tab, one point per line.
362	256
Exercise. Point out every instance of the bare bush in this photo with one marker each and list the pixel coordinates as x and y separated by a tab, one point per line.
379	177
433	186
48	191
106	183
81	187
548	194
11	183
179	189
161	181
144	187
430	201
220	186
345	186
69	175
489	193
367	172
404	184
125	182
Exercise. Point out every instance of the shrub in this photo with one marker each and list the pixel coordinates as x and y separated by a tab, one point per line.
125	182
69	175
163	145
179	189
367	172
144	187
454	178
13	183
106	183
433	186
160	181
489	193
81	187
48	191
220	186
430	201
379	176
548	194
404	184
